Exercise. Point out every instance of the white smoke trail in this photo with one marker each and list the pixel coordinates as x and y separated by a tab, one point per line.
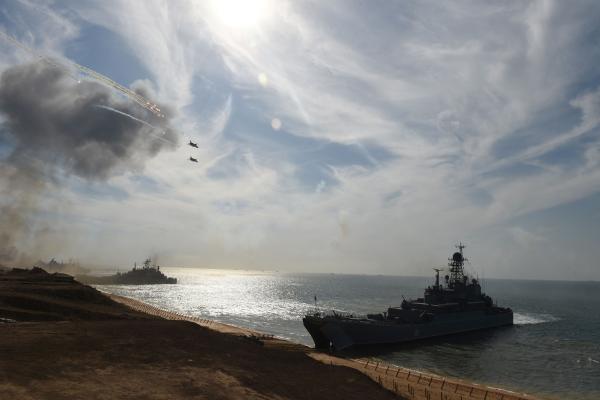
136	97
139	99
138	120
128	115
47	60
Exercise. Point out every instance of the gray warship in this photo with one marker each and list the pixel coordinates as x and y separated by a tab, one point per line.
456	307
148	274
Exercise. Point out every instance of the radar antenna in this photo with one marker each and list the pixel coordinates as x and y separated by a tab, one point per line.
456	263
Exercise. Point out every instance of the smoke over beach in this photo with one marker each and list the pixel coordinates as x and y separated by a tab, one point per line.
53	126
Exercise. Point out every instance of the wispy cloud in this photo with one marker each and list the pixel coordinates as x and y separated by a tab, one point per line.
402	126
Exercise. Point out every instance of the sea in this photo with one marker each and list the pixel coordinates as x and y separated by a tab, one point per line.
552	351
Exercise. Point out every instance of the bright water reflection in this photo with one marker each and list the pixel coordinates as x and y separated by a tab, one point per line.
553	348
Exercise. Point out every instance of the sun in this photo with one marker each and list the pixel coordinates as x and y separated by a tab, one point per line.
240	13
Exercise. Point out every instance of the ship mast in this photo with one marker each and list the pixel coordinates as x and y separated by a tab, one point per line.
456	266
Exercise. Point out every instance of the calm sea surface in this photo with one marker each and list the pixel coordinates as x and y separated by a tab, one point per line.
553	350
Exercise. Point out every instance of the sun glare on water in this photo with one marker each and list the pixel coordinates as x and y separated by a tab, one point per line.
240	13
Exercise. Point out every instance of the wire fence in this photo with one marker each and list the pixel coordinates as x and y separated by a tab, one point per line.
417	385
405	382
159	312
176	316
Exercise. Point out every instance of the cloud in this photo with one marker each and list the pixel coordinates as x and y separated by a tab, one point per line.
419	124
320	186
524	238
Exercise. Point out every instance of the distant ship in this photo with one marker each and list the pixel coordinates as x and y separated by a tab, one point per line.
70	267
456	307
148	274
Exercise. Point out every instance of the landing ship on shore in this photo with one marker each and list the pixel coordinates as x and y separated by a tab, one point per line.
456	307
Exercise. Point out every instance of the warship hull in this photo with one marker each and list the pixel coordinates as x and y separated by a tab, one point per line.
343	332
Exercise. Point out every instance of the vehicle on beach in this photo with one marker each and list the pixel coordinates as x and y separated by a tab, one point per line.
454	307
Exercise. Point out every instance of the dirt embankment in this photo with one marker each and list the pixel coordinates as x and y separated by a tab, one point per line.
89	346
35	295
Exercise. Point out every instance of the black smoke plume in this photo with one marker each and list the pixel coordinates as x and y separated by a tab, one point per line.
51	124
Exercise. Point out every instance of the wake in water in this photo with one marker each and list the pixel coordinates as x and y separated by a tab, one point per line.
531	318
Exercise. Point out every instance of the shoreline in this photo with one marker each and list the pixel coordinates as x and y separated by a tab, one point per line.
60	339
409	383
63	339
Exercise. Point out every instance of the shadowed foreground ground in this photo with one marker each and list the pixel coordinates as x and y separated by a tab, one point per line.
156	359
94	348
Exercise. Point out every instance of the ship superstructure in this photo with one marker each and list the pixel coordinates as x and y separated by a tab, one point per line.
147	274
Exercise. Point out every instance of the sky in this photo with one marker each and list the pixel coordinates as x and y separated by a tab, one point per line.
363	137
